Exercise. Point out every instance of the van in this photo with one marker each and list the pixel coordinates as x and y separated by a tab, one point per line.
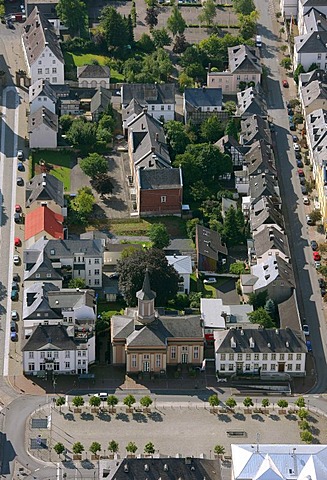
258	41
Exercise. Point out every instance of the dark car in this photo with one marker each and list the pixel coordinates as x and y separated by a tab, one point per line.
15	277
292	127
298	155
304	189
20	167
20	181
14	286
309	346
13	326
10	24
302	181
294	138
314	245
299	163
13	336
18	217
323	291
321	283
14	295
290	111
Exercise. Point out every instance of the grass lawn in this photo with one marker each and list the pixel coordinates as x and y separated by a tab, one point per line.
113	308
62	162
73	60
208	290
175	226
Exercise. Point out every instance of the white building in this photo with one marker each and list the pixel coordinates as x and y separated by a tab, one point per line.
183	266
41	94
55	348
93	76
289	8
311	48
279	462
42	51
261	350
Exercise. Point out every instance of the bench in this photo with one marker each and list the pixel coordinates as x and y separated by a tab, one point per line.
236	433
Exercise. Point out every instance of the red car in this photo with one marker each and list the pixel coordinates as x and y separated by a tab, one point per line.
18	242
300	172
285	84
18	208
316	256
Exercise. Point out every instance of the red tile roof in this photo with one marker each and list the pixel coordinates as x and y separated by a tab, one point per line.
44	220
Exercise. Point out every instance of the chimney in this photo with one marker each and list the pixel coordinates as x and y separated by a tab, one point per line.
153	149
157	137
318	37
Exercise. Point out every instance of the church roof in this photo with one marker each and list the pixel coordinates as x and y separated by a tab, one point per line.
146	293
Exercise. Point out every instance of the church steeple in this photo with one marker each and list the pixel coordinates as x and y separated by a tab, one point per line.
146	296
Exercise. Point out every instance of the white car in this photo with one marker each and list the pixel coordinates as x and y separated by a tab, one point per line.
102	395
16	259
306	200
317	265
210	280
305	329
14	315
296	147
20	155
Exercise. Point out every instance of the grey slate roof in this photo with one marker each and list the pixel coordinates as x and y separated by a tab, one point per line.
315	20
37	34
289	313
209	243
203	97
67	248
253	128
270	237
250	102
49	337
93	71
313	91
263	185
259	159
163	178
265	341
318	74
44	88
43	116
69	298
133	108
268	214
148	93
44	187
100	100
36	303
37	263
313	42
146	293
242	58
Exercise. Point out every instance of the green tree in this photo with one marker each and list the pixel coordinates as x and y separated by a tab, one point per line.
177	137
243	6
149	448
286	63
232	233
76	23
65	122
95	447
302	414
146	401
60	401
82	133
247	402
158	235
261	317
115	28
294	102
304	425
230	402
59	448
83	202
131	448
213	400
163	277
300	402
312	67
208	12
195	298
180	44
94	164
78	401
315	216
146	45
161	37
230	107
95	401
133	14
248	24
270	308
219	450
258	299
176	23
265	402
297	72
113	446
231	128
77	283
102	184
212	129
237	268
282	403
78	448
151	17
112	401
129	401
191	228
306	436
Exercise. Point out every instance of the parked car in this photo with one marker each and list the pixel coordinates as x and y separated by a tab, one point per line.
304	189
300	172
12	326
15	277
306	200
296	147
305	329
321	282
20	167
18	208
18	242
114	276
14	295
20	155
14	315
16	259
10	24
317	265
309	346
299	163
13	336
298	155
20	181
323	291
285	84
314	245
292	126
14	286
316	256
290	111
309	220
102	395
295	139
18	217
210	280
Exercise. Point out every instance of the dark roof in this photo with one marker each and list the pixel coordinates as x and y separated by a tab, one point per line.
315	20
318	74
101	99
203	97
43	116
269	213
133	108
67	248
263	185
44	88
208	243
148	93
146	293
250	102
270	237
93	71
37	35
253	128
168	469
259	159
163	178
44	187
265	341
312	42
51	337
289	313
242	58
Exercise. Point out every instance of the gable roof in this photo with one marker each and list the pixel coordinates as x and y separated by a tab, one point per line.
270	269
36	300
43	116
313	91
101	99
268	237
157	179
38	34
44	88
254	128
263	185
242	58
269	213
314	20
208	243
181	263
217	315
44	187
53	337
93	71
203	97
313	42
67	248
43	219
134	108
259	159
148	93
251	102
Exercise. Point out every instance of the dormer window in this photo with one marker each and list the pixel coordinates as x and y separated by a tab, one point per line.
52	251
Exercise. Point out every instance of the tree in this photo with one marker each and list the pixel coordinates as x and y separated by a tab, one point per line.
76	23
133	14
112	401
212	129
95	447
270	308
151	17
282	403
231	128
149	448
131	447
129	401
115	28
78	401
230	107
65	122
102	184
95	401
82	133
176	23
315	216
146	401
294	102
304	425
59	448
300	402
208	12
243	6
297	72
83	202
161	37
286	63
146	44
158	235
247	402
261	317
78	448
177	137
191	228
312	67
302	413
237	268
233	230
306	436
94	164
219	450
248	24
230	402
113	446
60	401
265	402
180	43
258	299
213	400
163	277
77	283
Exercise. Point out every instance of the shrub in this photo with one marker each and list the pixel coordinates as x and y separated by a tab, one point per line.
306	436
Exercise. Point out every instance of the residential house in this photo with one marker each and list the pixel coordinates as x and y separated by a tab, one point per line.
274	274
304	6
45	189
183	266
310	48
42	222
264	211
260	351
254	128
113	254
226	204
131	111
289	8
313	96
41	94
243	68
217	316
48	9
268	240
158	99
263	185
75	101
200	103
289	315
229	145
145	342
100	103
279	461
43	129
209	248
251	102
314	21
54	348
93	76
42	51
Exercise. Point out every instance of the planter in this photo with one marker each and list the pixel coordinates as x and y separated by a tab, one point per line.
77	410
77	456
112	410
94	410
223	410
146	410
213	410
129	410
248	411
130	455
282	412
94	457
111	456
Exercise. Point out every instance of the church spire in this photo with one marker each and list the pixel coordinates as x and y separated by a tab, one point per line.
146	296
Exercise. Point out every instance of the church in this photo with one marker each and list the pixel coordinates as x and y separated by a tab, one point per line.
146	342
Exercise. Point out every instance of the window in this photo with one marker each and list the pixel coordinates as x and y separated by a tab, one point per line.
50	54
67	354
54	70
49	354
273	356
133	361
265	356
158	360
173	352
42	366
289	367
298	356
90	272
238	77
97	261
48	275
39	71
30	354
90	261
248	356
273	366
70	319
39	62
319	56
222	367
162	107
79	353
96	281
196	352
290	356
31	367
54	79
264	367
281	356
231	356
239	356
53	62
152	107
56	366
84	353
247	367
231	367
79	362
163	199
47	70
42	355
39	99
146	356
67	364
52	251
256	366
96	271
55	354
223	357
256	356
298	367
169	107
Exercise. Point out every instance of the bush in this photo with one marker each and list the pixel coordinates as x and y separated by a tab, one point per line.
79	45
304	425
306	436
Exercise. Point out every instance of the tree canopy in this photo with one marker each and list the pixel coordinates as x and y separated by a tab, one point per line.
94	164
158	235
102	184
177	137
233	228
82	133
163	277
176	23
77	283
212	129
243	6
115	28
208	12
83	202
78	21
261	317
161	37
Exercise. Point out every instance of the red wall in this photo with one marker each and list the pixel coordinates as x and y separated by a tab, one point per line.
150	202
